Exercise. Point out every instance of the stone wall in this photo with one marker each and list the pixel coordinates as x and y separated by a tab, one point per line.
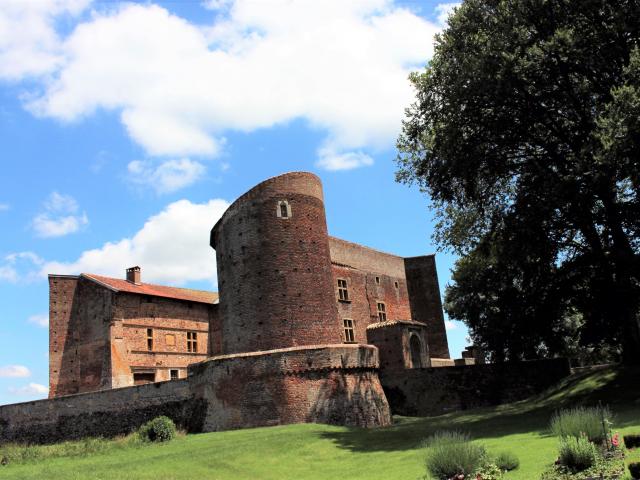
434	391
335	384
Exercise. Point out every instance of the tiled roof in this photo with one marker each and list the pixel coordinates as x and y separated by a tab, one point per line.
188	294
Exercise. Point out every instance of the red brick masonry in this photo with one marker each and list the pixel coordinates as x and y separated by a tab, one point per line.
334	384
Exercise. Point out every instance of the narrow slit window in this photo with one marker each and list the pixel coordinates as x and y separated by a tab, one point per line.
343	292
149	339
382	312
377	280
349	334
192	342
397	285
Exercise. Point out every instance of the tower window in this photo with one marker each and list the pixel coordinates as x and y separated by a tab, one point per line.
382	312
377	280
283	209
343	292
149	339
349	335
396	284
174	374
192	342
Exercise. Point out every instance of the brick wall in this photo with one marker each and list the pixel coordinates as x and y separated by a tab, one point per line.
80	313
169	320
434	391
394	342
426	306
274	273
328	384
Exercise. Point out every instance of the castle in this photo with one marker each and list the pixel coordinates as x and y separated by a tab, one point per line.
283	282
304	328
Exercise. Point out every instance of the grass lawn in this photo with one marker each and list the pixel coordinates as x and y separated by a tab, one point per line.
327	452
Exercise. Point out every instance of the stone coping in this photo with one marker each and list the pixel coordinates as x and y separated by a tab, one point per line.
392	323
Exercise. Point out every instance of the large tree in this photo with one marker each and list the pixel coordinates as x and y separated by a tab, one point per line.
526	134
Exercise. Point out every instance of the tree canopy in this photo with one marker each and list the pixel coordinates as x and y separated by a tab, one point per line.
525	133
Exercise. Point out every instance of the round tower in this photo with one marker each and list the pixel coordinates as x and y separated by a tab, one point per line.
274	267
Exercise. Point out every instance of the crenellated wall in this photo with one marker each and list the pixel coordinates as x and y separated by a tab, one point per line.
334	384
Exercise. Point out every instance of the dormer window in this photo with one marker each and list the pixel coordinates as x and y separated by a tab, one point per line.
283	209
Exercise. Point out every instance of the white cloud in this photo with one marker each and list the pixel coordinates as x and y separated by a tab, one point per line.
172	247
330	160
29	44
31	389
444	10
4	207
16	262
41	320
60	217
340	65
449	325
14	371
168	176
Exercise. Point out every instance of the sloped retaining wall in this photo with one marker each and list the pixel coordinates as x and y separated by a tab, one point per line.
434	391
336	384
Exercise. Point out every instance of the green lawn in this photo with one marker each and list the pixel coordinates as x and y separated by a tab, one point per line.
326	452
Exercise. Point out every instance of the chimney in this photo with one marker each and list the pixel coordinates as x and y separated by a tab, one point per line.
133	275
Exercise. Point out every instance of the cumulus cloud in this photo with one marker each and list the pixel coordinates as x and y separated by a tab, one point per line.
167	176
41	320
341	66
330	160
171	247
449	325
60	217
14	371
29	44
31	389
443	10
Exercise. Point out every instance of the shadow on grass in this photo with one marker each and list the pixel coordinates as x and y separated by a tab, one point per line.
617	387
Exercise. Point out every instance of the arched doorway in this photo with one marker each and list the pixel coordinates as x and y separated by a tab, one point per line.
415	345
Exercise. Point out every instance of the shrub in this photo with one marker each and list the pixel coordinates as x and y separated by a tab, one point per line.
160	429
632	441
489	471
591	421
452	453
507	461
634	470
577	454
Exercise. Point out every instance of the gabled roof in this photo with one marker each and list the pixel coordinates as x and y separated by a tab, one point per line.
119	285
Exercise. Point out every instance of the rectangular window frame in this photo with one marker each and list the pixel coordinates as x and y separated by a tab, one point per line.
349	330
343	290
192	342
150	339
174	374
381	308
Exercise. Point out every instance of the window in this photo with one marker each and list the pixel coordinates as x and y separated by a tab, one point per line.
377	280
174	374
343	293
192	342
170	339
149	339
396	284
283	210
141	378
382	312
349	335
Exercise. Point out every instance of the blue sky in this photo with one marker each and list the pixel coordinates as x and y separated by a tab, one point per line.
127	128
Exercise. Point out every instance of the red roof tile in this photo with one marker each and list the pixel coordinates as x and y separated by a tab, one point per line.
188	294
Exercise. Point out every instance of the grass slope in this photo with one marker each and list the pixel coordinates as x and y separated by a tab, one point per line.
321	452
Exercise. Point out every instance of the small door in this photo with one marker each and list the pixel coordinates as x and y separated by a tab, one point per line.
416	351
